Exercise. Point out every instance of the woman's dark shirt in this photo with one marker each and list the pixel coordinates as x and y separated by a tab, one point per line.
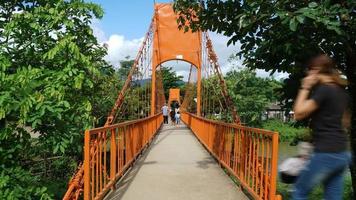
326	122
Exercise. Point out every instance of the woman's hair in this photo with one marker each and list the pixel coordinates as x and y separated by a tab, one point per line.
327	67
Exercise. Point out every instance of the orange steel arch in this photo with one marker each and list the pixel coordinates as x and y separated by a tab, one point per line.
170	43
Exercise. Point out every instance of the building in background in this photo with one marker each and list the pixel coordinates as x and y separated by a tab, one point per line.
276	111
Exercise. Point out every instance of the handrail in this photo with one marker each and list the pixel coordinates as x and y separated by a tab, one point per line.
125	123
109	151
234	125
249	154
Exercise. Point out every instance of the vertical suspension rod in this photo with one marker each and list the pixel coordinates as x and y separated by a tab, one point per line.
213	58
121	95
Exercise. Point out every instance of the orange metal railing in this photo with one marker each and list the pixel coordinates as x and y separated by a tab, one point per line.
249	154
109	151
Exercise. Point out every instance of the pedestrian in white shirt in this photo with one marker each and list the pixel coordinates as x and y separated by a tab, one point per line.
165	111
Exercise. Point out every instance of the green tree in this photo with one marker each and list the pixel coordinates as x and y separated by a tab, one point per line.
125	67
282	35
251	94
106	89
50	67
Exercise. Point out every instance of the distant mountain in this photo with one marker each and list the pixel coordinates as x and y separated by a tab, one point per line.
145	81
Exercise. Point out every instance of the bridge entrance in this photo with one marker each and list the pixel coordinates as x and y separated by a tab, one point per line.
170	43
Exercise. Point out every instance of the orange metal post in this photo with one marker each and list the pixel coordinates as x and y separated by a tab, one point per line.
274	161
113	155
87	165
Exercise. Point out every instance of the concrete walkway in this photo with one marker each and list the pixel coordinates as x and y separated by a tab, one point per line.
176	167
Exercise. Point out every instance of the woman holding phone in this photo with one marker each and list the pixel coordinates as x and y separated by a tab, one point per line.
323	99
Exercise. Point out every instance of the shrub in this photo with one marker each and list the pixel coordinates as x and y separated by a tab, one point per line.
17	183
287	132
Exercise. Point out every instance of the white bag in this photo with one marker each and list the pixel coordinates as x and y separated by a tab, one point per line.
291	167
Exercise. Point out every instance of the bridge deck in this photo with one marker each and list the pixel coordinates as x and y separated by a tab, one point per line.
176	167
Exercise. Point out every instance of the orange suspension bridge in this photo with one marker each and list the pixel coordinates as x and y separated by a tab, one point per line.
135	156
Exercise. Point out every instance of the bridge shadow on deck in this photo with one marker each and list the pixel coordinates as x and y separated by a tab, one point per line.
176	166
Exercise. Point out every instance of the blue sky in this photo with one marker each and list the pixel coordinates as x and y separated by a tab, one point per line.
130	18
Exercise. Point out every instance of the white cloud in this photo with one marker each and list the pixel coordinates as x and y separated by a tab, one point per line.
184	73
98	31
224	52
119	47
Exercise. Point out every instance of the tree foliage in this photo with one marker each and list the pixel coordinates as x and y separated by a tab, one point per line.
278	35
125	67
251	94
51	75
170	79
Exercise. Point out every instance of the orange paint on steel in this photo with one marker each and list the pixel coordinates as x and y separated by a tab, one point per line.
170	43
137	136
113	155
74	188
174	95
242	151
87	165
274	161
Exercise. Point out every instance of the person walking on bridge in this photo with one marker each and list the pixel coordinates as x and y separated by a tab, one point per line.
322	97
177	116
165	111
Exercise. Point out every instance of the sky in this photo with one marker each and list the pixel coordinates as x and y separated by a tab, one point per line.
125	22
130	18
